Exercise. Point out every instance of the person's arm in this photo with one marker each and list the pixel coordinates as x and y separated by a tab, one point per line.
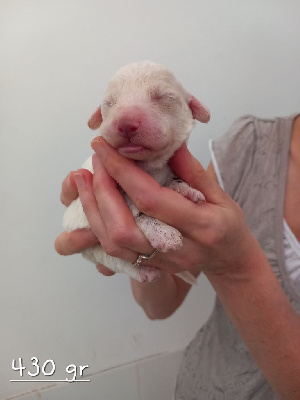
262	314
265	319
229	255
161	298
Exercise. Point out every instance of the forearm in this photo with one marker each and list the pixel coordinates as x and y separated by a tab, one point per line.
160	298
265	319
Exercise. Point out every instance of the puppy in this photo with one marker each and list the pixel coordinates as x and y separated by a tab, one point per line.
146	115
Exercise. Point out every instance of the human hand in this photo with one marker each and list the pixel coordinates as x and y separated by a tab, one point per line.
108	215
216	237
68	243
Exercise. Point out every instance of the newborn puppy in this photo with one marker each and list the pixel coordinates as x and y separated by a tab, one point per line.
146	115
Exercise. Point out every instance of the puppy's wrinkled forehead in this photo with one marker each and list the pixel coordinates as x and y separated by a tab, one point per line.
144	78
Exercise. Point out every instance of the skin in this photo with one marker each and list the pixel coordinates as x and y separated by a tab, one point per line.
217	242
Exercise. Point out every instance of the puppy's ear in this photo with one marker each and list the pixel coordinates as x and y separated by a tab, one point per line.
199	111
96	119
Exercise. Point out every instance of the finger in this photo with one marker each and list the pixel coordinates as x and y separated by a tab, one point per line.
91	210
89	203
148	196
188	258
189	169
68	243
116	164
116	216
69	189
104	270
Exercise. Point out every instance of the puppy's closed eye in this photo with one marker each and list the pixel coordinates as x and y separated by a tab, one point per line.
158	94
108	102
165	100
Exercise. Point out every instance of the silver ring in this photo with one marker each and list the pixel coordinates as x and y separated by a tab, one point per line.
142	257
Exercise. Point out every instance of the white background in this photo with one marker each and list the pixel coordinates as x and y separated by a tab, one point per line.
55	60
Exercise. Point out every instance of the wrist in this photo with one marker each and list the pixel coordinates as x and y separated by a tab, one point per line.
245	263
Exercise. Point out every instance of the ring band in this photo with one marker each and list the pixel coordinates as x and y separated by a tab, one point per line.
142	257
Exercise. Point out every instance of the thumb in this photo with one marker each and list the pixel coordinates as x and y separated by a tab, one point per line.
189	169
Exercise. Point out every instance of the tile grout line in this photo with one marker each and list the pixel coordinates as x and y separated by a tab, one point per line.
109	369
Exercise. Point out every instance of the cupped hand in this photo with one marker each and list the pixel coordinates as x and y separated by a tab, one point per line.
216	238
68	243
111	222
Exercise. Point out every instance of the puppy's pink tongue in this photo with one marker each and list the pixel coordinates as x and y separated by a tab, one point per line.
131	148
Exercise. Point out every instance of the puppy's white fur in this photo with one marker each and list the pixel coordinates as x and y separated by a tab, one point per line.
146	115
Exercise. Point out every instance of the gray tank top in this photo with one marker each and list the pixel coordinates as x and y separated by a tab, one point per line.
252	162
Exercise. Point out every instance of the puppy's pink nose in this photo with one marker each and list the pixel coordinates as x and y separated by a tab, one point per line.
127	128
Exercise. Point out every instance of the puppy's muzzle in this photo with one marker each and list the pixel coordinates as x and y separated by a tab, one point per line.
127	128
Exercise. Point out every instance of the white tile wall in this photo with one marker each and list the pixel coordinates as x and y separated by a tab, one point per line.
157	376
146	379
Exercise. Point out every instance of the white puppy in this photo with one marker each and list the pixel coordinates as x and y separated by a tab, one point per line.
146	115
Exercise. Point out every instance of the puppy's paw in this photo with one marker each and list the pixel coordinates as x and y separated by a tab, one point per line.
183	188
148	274
162	237
166	239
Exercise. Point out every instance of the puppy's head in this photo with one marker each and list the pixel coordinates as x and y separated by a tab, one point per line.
146	114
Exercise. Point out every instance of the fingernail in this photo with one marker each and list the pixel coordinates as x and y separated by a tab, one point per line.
99	145
97	140
71	184
80	181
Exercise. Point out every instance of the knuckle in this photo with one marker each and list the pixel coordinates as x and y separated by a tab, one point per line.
96	185
116	168
111	249
215	235
120	236
72	241
146	203
212	239
213	231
